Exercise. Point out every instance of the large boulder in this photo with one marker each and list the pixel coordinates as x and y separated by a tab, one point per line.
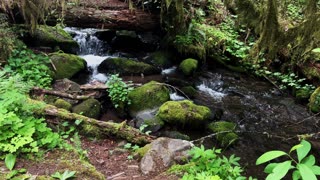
314	101
54	37
225	132
126	66
67	65
162	59
90	108
184	113
162	153
188	66
148	96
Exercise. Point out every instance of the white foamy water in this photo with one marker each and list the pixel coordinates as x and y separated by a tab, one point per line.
175	97
93	62
213	93
169	70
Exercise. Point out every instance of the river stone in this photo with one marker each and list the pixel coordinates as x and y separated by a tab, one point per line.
67	65
148	96
188	66
163	153
314	101
220	127
126	66
148	118
66	85
60	103
54	37
90	108
184	113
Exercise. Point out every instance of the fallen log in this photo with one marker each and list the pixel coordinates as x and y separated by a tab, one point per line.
41	91
93	126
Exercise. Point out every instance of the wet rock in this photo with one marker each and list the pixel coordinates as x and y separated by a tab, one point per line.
161	59
163	153
149	119
220	127
178	82
60	103
175	135
148	96
188	66
106	35
184	113
90	108
189	91
67	65
66	85
150	40
54	37
314	102
126	67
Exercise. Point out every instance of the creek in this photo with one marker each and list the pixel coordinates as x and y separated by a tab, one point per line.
266	119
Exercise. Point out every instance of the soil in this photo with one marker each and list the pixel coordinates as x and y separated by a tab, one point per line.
108	157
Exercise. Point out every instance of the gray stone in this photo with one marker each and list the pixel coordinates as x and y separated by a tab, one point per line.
148	118
163	153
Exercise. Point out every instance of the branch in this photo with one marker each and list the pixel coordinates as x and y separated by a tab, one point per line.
65	95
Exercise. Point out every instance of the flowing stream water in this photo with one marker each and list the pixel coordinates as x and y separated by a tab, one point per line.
265	118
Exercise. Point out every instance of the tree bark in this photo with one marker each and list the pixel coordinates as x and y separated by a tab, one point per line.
120	130
38	90
114	16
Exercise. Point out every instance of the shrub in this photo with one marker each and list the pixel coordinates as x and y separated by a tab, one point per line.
118	91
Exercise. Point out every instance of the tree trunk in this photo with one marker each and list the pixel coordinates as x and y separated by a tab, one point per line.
94	127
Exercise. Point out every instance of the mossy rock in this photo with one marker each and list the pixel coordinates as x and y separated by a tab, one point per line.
188	66
175	135
67	65
90	108
55	37
148	96
302	95
142	151
314	101
126	66
161	59
60	103
189	91
225	138
184	113
310	70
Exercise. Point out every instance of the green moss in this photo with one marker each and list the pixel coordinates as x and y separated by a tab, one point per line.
184	113
90	108
127	67
189	91
67	65
148	96
192	50
314	101
44	177
302	95
161	58
310	71
91	130
60	103
142	151
188	66
220	127
55	36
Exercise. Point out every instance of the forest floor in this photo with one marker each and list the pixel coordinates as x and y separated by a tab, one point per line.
108	157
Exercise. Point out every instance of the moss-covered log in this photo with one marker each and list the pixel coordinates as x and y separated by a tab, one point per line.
94	127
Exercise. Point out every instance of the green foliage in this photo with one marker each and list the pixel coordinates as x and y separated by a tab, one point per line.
209	164
10	161
66	175
21	131
132	148
303	166
118	90
142	129
31	67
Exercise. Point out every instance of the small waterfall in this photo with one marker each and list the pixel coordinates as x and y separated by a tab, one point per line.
91	50
169	70
89	44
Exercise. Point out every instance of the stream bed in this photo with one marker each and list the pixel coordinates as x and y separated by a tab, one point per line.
265	118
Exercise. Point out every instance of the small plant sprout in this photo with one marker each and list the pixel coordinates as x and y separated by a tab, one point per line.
66	175
303	166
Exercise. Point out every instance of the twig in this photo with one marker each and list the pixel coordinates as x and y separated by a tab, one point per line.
65	95
274	84
305	119
114	176
209	136
175	88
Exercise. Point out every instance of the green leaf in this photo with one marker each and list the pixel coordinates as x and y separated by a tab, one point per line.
269	168
304	150
296	175
316	50
309	161
10	161
306	172
280	170
315	170
269	156
295	147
